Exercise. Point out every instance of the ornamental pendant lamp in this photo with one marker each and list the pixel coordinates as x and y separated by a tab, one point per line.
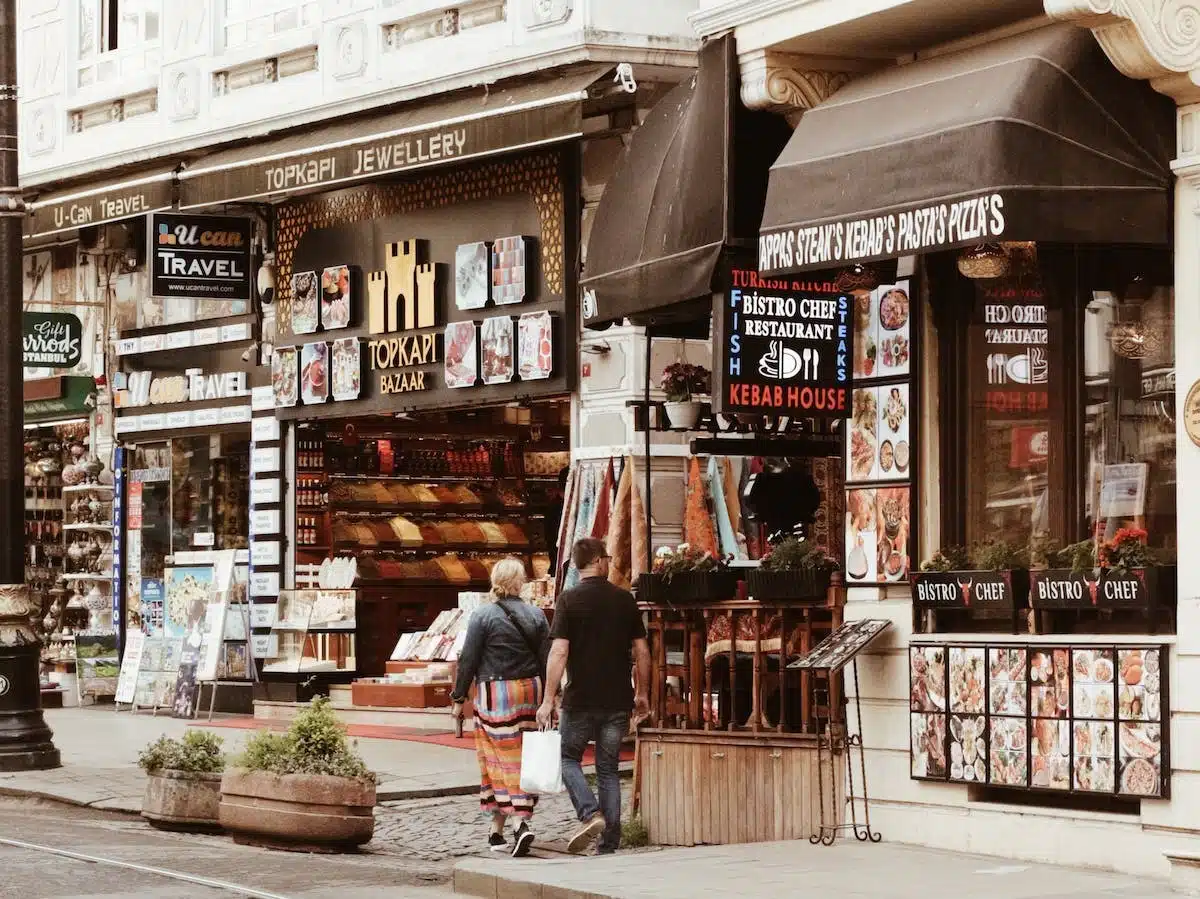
984	262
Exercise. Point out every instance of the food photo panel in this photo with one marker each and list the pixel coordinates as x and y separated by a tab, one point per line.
895	453
1049	754
862	462
508	270
1049	683
462	354
1093	678
893	314
347	369
499	347
967	679
1007	683
1094	759
1140	756
927	678
535	346
335	297
928	745
1009	761
285	376
1139	693
305	304
314	373
892	533
471	276
968	748
861	555
866	334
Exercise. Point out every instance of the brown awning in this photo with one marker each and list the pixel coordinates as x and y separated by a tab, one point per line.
473	123
1036	137
66	210
680	198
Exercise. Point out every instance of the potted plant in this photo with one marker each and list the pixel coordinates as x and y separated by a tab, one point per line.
183	781
994	575
682	382
306	790
688	574
1119	573
793	569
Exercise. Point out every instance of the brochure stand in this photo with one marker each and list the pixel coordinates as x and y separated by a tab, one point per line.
825	662
211	660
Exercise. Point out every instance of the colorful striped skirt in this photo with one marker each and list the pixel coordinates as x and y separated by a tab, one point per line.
504	709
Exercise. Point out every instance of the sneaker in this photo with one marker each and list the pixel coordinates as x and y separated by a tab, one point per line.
524	841
496	842
588	834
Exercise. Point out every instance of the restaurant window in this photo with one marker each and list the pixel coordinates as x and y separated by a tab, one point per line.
1057	400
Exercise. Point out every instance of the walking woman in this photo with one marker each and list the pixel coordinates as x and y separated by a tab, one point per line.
505	657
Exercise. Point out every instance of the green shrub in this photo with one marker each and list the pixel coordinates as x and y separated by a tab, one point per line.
199	752
948	558
314	744
791	554
634	834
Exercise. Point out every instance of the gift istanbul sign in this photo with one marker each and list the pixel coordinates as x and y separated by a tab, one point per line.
787	348
975	220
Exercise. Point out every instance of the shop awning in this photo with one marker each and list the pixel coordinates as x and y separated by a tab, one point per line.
473	123
109	201
1036	137
680	198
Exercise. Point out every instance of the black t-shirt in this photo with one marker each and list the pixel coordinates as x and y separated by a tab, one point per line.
600	621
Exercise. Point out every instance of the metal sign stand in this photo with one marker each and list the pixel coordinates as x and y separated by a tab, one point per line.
251	668
830	705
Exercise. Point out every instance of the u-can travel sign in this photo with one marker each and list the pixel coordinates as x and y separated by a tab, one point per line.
787	348
200	256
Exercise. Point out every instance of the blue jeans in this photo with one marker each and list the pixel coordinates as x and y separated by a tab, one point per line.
607	730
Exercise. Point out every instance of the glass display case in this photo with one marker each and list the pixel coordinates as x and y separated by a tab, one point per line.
315	633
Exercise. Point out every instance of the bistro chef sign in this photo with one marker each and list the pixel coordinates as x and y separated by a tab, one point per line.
787	348
920	230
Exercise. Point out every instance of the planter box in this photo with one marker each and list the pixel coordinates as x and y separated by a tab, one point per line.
788	585
175	800
297	812
1001	591
401	696
690	586
1062	588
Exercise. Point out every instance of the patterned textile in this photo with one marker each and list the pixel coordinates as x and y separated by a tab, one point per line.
566	529
639	537
727	537
698	530
619	544
604	498
504	709
583	518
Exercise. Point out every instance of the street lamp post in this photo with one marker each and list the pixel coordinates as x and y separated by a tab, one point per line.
25	740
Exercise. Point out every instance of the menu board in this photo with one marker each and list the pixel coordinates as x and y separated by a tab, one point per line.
1086	719
786	349
880	457
839	648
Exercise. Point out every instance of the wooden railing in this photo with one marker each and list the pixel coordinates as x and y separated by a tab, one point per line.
723	665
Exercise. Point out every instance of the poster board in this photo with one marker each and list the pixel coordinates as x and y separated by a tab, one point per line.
157	673
212	641
98	664
135	644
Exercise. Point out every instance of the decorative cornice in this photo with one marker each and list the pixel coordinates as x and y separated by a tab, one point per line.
785	84
1153	40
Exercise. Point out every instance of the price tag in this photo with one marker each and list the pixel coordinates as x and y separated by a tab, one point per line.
230	333
232	415
206	418
262	398
179	340
262	614
155	422
179	420
264	522
264	646
153	343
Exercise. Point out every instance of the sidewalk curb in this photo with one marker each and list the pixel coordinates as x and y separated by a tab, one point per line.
94	805
478	877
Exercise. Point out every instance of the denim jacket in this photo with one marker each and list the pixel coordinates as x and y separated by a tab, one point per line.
495	650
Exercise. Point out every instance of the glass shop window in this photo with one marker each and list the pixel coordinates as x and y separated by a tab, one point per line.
1057	403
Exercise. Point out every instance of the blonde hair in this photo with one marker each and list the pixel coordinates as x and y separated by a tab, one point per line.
508	577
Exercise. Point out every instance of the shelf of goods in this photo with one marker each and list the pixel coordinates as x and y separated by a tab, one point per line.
424	519
420	673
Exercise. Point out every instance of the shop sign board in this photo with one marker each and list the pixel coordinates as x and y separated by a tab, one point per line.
963	590
786	348
264	583
920	229
51	339
265	491
109	204
205	256
1067	589
143	388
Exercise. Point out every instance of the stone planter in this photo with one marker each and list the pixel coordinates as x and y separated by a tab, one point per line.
177	800
297	812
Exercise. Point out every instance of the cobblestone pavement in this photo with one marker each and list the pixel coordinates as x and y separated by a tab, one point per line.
442	830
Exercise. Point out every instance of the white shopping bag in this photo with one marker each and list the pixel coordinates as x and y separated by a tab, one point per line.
541	762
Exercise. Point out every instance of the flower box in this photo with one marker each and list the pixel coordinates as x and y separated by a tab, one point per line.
796	584
688	586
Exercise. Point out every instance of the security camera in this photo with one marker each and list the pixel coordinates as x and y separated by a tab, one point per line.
250	353
266	281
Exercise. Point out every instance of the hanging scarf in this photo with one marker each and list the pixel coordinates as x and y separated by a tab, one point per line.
601	522
698	531
640	537
620	568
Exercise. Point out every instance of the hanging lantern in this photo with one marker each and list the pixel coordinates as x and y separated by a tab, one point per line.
983	262
1134	340
857	277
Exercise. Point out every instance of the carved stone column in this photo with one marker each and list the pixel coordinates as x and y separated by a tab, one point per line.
791	85
25	740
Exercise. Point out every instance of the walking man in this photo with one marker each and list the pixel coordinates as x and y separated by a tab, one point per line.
596	624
